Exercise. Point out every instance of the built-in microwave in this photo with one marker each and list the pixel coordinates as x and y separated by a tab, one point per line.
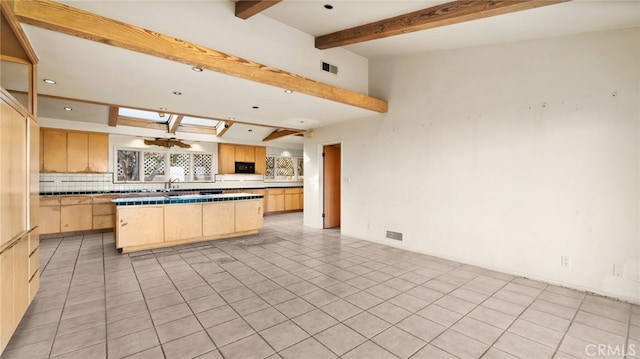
245	167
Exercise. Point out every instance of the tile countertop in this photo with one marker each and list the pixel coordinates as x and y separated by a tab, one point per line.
186	198
144	191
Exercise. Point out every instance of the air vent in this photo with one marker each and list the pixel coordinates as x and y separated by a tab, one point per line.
329	68
394	235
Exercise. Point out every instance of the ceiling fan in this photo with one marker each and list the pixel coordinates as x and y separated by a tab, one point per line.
167	142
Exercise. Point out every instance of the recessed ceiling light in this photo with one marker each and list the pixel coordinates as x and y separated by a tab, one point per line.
177	93
49	81
288	91
301	121
328	6
67	108
197	69
255	107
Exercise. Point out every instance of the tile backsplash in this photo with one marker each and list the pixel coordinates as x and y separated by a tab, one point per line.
90	182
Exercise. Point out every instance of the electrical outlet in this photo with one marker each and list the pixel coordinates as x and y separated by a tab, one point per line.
618	270
565	261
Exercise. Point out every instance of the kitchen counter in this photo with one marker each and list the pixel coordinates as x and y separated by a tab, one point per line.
184	198
161	221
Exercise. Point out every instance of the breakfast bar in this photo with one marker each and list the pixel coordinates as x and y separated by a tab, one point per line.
163	221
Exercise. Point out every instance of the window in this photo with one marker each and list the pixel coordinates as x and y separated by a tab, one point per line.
284	168
135	165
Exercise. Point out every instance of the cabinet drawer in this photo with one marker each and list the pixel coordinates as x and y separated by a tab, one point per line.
76	200
49	201
291	190
34	284
275	191
103	208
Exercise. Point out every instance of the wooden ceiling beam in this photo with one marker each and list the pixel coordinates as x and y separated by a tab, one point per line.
71	21
174	123
223	127
113	116
205	130
279	134
247	8
436	16
136	122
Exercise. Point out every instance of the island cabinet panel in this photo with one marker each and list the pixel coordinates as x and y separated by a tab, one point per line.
249	215
139	225
182	221
54	151
218	218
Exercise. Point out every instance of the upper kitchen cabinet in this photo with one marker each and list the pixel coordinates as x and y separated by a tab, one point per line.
229	154
73	151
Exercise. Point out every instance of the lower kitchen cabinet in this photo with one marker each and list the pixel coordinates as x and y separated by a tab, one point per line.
50	219
218	218
249	215
76	213
275	200
14	287
182	221
138	225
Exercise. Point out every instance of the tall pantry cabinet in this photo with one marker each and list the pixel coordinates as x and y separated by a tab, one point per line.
19	177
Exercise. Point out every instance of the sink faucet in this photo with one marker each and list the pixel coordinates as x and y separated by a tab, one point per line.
169	183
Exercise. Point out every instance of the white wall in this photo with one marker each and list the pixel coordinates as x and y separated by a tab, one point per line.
505	156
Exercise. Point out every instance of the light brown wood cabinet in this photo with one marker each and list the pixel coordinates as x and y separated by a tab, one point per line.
292	199
139	225
229	154
275	200
249	215
226	158
19	181
76	213
103	211
74	151
218	218
182	221
49	214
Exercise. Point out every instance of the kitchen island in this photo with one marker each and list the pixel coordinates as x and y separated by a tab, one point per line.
163	221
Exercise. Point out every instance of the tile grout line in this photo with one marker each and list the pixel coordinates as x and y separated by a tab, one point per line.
566	332
75	263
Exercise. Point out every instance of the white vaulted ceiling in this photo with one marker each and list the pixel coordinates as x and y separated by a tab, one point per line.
281	37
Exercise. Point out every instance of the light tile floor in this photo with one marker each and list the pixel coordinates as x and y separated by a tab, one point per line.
296	292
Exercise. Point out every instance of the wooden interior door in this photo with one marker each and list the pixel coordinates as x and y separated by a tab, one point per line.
331	183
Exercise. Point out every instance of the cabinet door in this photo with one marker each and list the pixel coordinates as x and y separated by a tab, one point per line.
248	215
226	158
34	177
182	221
7	325
98	152
13	184
302	199
249	154
50	219
218	218
54	151
20	278
138	225
76	218
261	160
77	152
103	222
